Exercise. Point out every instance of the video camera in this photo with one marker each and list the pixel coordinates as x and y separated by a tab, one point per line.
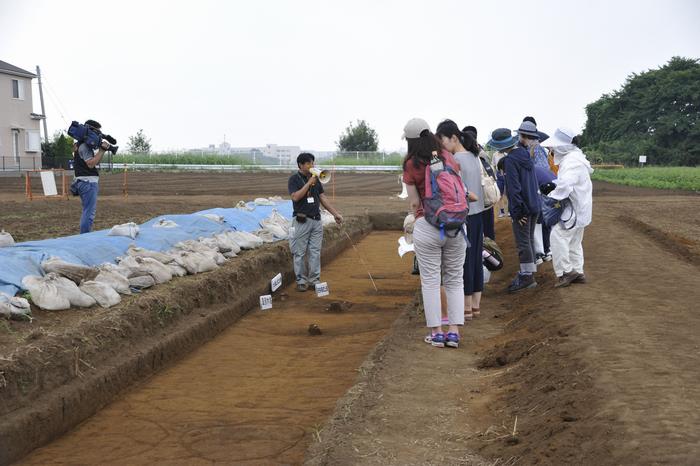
91	136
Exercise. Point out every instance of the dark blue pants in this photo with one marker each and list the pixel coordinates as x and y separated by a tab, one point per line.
489	227
473	262
545	237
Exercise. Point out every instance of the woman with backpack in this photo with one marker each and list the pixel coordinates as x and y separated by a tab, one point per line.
436	195
466	152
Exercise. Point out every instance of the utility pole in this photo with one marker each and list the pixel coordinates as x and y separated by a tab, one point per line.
41	99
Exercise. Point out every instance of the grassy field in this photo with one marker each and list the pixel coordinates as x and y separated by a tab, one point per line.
653	177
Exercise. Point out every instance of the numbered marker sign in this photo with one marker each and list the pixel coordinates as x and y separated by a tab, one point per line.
276	282
322	289
266	302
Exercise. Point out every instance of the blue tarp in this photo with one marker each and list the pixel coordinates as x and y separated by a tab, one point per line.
96	248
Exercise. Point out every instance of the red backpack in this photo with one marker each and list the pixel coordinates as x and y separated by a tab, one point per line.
445	203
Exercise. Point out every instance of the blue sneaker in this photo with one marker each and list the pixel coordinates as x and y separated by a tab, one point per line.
452	340
437	340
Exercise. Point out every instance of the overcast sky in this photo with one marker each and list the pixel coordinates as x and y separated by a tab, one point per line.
296	72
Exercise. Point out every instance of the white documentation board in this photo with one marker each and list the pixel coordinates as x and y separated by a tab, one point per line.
48	182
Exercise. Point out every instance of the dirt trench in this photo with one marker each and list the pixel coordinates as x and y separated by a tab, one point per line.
53	380
259	390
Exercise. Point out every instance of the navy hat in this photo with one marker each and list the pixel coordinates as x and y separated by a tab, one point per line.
502	138
528	128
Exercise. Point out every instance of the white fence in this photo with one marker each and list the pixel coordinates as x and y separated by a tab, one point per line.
251	168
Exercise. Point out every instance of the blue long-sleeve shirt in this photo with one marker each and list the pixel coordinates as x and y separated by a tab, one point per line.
521	184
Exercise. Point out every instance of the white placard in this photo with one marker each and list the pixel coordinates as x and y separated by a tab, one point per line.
642	159
266	302
48	182
322	289
276	282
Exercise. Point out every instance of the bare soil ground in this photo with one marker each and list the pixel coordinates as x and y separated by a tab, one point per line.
599	373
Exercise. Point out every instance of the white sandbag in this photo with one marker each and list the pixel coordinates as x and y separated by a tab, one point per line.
141	282
177	270
44	293
195	262
6	239
210	243
71	291
227	244
214	217
244	206
327	218
117	281
130	230
156	269
276	198
120	269
101	292
14	307
165	223
202	247
277	232
246	240
74	272
263	201
229	254
279	219
230	239
265	235
136	251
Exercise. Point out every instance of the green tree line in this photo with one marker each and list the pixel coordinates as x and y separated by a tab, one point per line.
656	113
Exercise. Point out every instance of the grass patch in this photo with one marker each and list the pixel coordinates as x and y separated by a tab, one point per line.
687	178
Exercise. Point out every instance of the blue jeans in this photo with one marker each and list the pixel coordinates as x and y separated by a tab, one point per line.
88	198
306	237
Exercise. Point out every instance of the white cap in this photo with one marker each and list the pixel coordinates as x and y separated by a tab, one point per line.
562	137
414	127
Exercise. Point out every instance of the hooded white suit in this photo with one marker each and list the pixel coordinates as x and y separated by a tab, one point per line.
573	181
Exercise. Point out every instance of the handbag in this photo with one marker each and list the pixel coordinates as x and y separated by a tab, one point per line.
553	211
491	192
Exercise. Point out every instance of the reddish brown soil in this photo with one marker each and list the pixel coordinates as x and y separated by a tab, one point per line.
257	393
600	373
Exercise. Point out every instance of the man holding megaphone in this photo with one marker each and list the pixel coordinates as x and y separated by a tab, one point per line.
306	232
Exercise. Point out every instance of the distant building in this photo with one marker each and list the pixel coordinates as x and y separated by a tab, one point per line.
20	140
287	155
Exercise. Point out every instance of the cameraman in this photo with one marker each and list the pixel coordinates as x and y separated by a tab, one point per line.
86	181
306	231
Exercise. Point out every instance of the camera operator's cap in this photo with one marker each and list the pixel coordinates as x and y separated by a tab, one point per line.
414	127
562	137
93	124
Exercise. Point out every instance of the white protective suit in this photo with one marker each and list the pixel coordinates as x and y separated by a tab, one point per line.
573	181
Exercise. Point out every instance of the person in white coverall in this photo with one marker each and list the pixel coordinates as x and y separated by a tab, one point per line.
574	182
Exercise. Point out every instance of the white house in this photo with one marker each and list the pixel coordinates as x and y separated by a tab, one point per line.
20	140
285	154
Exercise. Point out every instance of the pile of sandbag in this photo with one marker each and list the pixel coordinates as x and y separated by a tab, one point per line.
6	239
66	285
14	307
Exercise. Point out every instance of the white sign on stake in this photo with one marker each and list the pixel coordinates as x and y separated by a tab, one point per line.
642	159
276	282
266	302
322	289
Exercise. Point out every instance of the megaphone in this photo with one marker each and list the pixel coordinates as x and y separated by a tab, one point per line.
324	176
